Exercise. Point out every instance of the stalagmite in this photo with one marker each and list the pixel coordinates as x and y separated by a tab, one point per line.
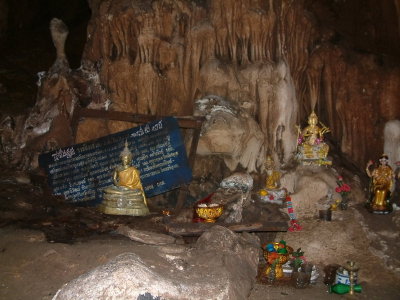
48	125
392	141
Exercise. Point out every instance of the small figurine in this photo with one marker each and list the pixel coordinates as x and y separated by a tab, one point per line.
273	177
311	146
126	196
380	186
272	192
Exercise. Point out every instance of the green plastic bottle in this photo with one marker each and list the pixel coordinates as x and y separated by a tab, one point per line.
341	288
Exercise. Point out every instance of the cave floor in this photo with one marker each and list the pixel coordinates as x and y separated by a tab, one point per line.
45	243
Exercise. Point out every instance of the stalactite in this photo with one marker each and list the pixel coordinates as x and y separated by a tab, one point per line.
271	57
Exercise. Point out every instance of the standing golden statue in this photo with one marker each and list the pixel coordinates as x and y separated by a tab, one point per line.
126	196
380	186
272	192
310	142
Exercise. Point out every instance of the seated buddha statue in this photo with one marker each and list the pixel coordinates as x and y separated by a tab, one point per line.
273	176
272	192
311	145
126	196
380	186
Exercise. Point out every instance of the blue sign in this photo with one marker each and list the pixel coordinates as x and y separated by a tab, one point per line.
81	172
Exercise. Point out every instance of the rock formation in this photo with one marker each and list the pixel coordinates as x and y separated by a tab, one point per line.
392	141
276	60
221	265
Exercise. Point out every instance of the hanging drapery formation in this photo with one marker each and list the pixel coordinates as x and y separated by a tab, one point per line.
275	60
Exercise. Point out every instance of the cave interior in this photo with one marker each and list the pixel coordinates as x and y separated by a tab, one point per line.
252	71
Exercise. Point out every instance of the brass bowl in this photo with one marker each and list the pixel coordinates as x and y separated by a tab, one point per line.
283	257
209	213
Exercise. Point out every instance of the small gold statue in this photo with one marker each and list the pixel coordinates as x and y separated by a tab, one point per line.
126	196
273	177
272	192
380	186
311	145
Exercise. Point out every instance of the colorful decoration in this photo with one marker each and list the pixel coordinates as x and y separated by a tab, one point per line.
297	259
209	212
276	254
294	224
207	199
343	188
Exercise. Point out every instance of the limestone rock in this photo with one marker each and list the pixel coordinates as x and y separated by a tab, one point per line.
312	185
59	33
146	237
238	181
391	147
275	60
230	132
222	265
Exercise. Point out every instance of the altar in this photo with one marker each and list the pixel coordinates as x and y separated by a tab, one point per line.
263	219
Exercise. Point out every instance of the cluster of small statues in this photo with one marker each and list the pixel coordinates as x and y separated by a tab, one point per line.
126	196
311	148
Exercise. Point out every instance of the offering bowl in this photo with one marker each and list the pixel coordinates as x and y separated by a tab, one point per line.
210	213
278	258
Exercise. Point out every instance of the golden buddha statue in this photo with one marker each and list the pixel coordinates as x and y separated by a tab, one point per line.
273	177
126	196
272	192
311	145
380	187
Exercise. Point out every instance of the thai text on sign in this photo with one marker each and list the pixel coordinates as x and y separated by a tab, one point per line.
80	172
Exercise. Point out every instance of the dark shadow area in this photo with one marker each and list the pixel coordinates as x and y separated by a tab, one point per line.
26	47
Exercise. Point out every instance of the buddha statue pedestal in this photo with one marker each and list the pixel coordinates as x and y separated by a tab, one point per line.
313	155
276	196
129	203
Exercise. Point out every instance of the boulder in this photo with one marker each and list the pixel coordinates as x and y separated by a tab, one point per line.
313	187
221	265
230	132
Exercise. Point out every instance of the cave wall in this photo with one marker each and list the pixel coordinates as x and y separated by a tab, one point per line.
356	65
158	57
276	60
